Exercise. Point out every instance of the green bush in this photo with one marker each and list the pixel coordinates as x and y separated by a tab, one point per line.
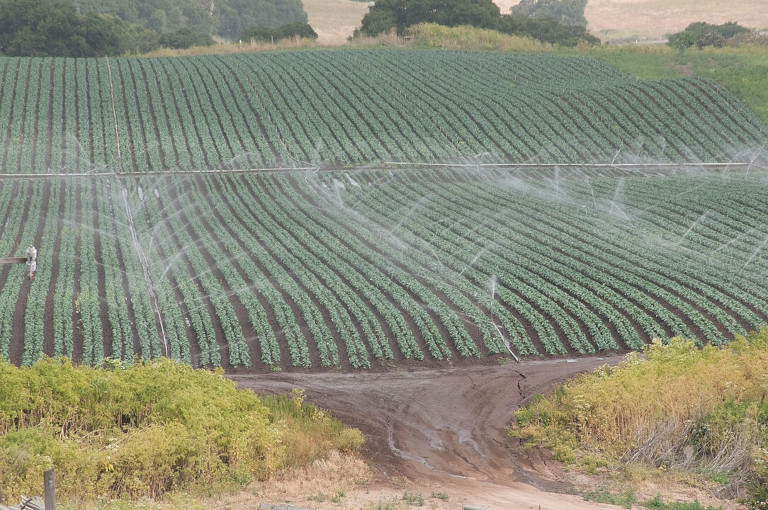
289	31
702	34
401	15
185	38
146	429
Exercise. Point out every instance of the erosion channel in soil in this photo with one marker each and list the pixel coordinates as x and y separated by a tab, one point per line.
440	425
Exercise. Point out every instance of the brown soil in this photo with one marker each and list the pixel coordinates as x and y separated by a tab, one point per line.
444	429
438	433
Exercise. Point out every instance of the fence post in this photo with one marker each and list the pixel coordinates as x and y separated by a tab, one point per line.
49	490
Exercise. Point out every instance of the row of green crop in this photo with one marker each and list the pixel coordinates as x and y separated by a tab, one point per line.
354	107
349	269
546	244
13	199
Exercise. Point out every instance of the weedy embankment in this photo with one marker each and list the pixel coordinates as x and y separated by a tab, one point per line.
697	414
141	431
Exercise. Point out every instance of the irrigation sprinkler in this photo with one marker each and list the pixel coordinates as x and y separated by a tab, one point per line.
30	260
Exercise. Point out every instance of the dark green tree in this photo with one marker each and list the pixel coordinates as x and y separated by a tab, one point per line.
258	34
566	12
288	31
293	30
702	34
185	38
383	17
546	30
137	39
54	28
386	15
226	18
103	35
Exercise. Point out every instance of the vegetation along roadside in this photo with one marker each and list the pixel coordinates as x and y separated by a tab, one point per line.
698	414
147	429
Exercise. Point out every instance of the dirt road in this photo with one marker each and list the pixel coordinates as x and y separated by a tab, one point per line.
445	427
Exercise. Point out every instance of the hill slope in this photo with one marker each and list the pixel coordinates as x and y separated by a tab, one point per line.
338	260
344	108
612	20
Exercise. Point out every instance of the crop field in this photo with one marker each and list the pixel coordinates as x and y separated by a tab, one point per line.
255	210
348	108
350	269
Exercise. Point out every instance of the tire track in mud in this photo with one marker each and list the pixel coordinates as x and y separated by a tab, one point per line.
438	424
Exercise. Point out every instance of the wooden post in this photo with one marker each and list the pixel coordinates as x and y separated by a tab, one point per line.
49	489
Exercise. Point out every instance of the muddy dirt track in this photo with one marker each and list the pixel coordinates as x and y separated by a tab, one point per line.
438	425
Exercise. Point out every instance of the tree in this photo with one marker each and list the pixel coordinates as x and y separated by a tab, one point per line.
104	35
386	15
235	16
137	39
287	31
567	12
546	30
226	18
54	28
185	38
702	34
293	30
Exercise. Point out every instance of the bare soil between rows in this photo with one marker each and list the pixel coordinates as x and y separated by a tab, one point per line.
443	427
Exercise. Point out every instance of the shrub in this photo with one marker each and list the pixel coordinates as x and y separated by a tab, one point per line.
289	31
185	38
146	429
702	34
675	406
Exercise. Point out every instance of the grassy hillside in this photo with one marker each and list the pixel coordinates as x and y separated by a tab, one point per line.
744	71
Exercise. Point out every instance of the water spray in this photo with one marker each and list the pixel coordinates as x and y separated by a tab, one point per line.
144	265
492	282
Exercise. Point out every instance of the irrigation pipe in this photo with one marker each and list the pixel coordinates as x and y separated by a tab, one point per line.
385	165
737	164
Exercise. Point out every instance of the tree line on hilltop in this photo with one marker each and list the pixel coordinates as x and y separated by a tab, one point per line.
94	28
553	21
225	18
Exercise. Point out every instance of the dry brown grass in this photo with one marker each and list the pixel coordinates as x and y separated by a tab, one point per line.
334	20
429	35
613	20
229	48
325	482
